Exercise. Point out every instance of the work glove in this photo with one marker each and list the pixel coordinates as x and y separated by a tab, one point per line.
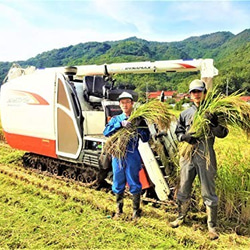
189	138
140	122
213	119
137	121
126	124
160	134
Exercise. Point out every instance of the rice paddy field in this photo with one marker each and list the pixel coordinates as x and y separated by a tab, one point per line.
41	212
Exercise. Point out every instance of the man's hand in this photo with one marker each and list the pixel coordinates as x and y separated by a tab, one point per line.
189	138
126	124
213	119
139	122
160	134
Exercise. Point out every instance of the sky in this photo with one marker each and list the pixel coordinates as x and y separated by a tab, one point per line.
31	27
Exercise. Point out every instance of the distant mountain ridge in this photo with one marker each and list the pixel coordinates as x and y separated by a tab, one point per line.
225	48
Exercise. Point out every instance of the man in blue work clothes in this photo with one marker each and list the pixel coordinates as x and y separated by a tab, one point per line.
126	170
198	164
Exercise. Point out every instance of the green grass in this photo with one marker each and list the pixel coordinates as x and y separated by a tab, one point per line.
40	212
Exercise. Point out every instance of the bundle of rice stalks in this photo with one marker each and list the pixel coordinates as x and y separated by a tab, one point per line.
230	110
153	112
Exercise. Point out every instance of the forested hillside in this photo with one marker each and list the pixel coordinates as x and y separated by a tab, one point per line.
231	54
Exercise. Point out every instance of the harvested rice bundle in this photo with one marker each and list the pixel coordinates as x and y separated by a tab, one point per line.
230	110
153	112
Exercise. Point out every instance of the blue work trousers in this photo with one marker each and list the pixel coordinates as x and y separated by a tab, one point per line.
127	171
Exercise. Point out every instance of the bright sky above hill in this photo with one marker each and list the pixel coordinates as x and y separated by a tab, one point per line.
30	27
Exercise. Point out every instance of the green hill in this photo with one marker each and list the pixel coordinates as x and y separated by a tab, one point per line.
230	52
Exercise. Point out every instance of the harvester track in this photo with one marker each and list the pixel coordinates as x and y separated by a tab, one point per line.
80	173
70	172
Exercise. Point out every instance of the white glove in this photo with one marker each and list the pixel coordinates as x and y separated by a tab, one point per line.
126	124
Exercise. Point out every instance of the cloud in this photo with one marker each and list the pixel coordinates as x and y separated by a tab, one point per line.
135	14
32	27
11	18
216	15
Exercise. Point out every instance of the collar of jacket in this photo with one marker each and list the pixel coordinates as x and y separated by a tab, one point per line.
123	115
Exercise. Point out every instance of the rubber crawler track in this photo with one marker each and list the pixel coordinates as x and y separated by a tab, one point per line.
82	174
88	176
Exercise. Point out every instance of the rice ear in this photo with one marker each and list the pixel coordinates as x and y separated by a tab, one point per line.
153	112
231	111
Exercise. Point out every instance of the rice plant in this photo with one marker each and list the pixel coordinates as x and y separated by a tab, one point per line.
230	110
233	181
153	112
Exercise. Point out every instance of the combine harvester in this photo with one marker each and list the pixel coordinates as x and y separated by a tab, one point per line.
57	115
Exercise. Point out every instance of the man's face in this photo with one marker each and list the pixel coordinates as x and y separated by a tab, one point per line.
126	105
197	96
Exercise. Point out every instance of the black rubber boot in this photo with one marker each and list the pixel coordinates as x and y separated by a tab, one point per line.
119	203
136	206
182	213
211	222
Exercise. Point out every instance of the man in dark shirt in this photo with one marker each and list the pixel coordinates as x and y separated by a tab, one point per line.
198	164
